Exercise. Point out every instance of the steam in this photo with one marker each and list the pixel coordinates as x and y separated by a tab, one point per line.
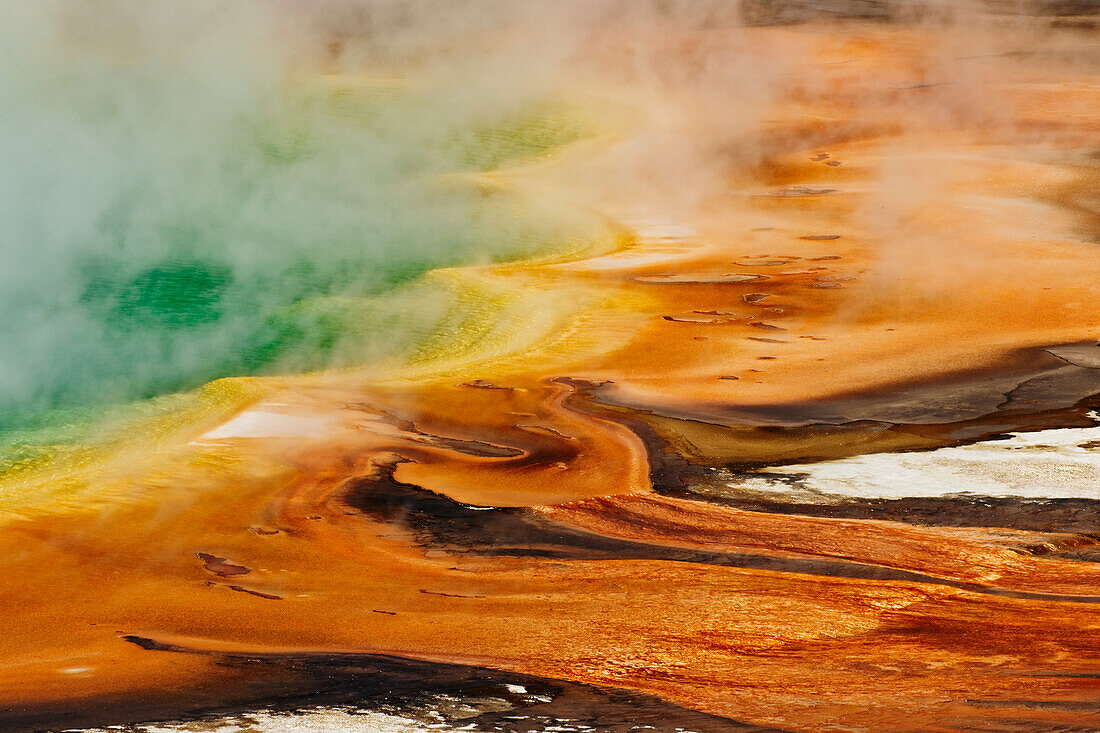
213	187
185	191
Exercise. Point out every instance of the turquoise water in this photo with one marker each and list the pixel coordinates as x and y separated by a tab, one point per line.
256	243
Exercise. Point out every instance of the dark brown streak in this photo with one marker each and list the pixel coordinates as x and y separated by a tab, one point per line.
440	522
242	589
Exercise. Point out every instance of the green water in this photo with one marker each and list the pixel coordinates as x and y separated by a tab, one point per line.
266	243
